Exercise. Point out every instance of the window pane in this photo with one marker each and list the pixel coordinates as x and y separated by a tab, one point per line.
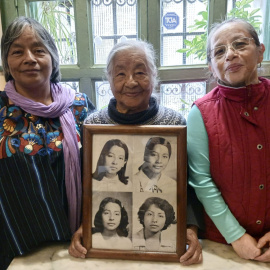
58	18
260	19
103	94
176	19
112	20
72	85
180	96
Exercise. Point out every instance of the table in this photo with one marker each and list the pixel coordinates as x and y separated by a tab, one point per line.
55	257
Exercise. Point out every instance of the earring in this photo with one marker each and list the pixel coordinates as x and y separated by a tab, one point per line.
259	65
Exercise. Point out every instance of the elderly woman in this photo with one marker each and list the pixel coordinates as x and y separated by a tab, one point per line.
228	143
132	74
40	192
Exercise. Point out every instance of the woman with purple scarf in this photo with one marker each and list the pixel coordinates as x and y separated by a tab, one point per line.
40	175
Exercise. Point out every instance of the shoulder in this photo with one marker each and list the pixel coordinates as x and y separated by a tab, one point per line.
211	96
139	234
167	184
99	117
194	116
167	116
125	240
265	81
96	236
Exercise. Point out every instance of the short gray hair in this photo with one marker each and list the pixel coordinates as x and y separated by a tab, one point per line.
14	30
150	57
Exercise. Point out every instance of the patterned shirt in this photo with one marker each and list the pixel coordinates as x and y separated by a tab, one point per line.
33	203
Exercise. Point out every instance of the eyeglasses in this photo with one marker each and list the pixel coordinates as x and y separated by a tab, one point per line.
237	45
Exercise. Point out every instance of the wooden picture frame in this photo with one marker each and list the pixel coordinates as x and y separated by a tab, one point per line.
148	204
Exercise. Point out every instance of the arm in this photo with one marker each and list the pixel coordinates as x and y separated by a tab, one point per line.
200	178
208	193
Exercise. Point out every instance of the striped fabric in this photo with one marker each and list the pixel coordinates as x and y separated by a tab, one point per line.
33	204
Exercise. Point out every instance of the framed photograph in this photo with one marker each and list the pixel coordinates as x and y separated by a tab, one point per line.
134	192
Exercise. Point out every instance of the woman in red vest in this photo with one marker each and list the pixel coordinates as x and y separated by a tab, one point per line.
229	143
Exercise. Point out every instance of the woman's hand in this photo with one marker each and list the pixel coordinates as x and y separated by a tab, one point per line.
193	254
76	249
264	244
246	247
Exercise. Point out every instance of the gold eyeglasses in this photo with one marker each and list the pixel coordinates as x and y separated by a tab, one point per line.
237	45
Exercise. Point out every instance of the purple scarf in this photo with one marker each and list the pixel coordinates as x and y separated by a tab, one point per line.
63	98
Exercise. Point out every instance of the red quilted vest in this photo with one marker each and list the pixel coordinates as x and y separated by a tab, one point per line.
237	122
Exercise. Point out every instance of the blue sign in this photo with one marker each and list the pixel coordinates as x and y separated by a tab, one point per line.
170	20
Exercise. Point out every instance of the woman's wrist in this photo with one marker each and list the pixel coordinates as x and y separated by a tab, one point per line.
192	227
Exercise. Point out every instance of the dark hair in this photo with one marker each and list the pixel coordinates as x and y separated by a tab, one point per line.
154	141
131	44
98	223
99	172
151	144
217	26
14	31
163	205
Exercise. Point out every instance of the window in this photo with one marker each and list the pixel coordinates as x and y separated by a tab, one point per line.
176	18
58	18
112	21
89	28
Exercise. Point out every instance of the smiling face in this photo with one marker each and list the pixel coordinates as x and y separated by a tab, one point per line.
131	81
114	160
157	159
236	68
30	63
111	216
154	220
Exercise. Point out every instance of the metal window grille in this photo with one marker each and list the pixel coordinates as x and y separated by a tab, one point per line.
112	20
172	38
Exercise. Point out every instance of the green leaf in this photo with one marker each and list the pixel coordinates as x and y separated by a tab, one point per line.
183	50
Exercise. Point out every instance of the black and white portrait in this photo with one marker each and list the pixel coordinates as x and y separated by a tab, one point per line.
110	169
134	188
157	169
154	224
112	220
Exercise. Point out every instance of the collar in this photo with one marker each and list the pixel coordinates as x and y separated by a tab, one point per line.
254	92
135	118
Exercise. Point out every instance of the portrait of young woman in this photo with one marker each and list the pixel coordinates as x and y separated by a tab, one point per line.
111	221
156	215
110	169
157	155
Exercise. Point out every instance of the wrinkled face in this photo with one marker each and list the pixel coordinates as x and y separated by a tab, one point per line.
114	160
111	216
237	67
154	219
131	81
29	62
157	159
